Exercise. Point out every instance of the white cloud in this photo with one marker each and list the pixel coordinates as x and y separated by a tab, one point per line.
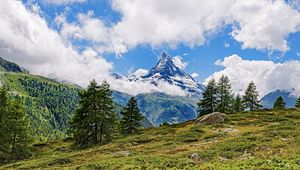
140	72
26	39
194	75
63	2
264	24
177	60
267	75
88	27
256	24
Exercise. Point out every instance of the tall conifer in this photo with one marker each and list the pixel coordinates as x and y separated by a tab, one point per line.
132	117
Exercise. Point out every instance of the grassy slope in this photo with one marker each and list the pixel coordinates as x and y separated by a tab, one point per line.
257	140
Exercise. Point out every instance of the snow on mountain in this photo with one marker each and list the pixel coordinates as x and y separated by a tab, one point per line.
166	70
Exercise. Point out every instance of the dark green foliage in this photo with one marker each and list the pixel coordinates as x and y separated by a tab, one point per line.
297	105
279	103
250	98
224	95
237	105
48	104
60	100
131	117
3	104
15	135
209	102
94	121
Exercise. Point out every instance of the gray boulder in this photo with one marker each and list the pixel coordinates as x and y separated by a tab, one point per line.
211	119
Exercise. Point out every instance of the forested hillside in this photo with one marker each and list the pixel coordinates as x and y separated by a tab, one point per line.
48	104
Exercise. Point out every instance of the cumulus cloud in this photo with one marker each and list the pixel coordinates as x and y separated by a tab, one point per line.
194	75
26	39
267	75
90	28
140	72
177	60
262	25
63	2
255	24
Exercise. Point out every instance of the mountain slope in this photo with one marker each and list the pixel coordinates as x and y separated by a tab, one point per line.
269	99
48	104
249	140
160	108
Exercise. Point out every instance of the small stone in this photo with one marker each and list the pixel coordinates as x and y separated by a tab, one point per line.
195	157
122	154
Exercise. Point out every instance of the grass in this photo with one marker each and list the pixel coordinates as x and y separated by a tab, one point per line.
254	140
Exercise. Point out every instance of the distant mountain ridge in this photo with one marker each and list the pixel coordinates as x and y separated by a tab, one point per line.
268	100
10	66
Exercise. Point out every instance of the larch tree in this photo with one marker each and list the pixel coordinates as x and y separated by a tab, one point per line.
94	121
208	103
237	104
250	98
131	117
15	136
297	104
224	95
279	103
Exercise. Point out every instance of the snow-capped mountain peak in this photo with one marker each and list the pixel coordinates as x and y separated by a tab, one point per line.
166	70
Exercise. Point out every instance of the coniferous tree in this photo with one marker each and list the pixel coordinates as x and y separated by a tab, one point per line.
15	135
108	123
238	105
250	98
3	104
297	105
279	103
224	95
208	103
132	117
94	121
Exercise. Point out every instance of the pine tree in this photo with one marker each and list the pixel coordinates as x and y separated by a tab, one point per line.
224	95
3	104
15	135
132	117
279	103
108	123
208	103
250	98
297	105
237	105
95	120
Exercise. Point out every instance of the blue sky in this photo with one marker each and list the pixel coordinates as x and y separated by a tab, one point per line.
200	59
100	37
